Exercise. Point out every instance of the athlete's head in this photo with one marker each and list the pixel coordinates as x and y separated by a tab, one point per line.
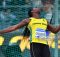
33	10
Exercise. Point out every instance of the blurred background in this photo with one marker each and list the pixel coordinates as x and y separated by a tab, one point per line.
14	11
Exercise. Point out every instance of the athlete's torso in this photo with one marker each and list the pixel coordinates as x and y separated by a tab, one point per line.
37	29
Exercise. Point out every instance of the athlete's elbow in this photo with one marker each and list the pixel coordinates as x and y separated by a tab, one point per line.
55	31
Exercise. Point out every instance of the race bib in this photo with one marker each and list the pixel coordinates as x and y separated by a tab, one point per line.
40	33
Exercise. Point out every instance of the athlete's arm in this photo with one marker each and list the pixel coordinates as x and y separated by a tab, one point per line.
15	27
53	29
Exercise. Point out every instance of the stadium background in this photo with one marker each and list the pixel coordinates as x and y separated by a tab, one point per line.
11	13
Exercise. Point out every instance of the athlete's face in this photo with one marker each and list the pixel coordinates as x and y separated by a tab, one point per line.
35	10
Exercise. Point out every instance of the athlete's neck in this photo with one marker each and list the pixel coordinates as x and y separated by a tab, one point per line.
35	16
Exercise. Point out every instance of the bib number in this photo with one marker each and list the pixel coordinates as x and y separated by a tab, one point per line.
40	33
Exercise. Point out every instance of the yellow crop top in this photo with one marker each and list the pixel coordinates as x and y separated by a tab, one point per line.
37	29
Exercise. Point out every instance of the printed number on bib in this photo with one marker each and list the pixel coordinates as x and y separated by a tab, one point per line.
40	33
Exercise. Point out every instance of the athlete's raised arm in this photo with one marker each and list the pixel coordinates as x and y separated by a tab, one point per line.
15	27
53	29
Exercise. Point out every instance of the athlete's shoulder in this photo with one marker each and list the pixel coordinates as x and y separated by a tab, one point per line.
44	19
27	20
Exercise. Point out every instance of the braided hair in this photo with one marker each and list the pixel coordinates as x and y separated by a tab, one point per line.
26	31
29	12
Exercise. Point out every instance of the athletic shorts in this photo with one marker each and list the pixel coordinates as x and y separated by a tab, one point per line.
39	50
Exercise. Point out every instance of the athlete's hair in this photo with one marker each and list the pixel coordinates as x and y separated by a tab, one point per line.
29	12
26	32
